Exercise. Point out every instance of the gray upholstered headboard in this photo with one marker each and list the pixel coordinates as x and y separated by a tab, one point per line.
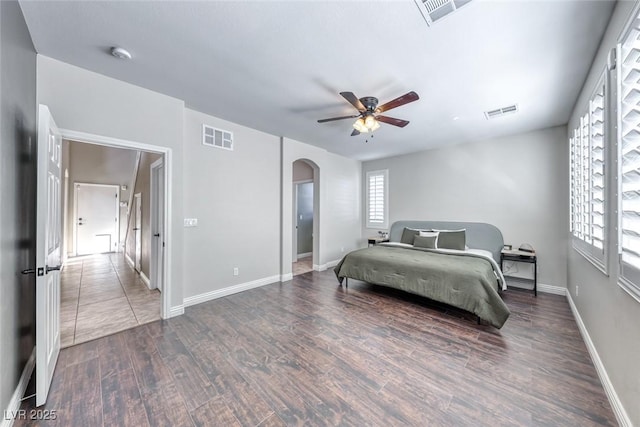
479	235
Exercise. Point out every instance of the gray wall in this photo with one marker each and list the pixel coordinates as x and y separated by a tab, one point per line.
142	186
610	315
337	211
302	171
85	101
517	183
17	187
96	164
236	198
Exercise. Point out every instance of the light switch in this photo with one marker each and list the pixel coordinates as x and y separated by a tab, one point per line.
191	222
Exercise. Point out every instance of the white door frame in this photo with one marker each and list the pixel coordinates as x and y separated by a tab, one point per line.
295	217
165	309
137	232
157	223
65	216
75	212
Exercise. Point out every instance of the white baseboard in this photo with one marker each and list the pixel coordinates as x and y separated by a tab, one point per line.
16	399
614	400
323	267
145	279
219	293
129	260
286	277
176	310
304	255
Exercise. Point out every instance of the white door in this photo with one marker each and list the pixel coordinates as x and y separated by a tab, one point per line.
97	212
48	256
157	224
137	229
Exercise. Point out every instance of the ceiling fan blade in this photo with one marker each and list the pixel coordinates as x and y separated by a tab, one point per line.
355	132
353	100
338	118
401	100
392	121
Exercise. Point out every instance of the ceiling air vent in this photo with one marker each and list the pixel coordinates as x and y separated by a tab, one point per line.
499	112
219	138
434	10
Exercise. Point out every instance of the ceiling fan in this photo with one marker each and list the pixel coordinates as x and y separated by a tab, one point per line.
368	117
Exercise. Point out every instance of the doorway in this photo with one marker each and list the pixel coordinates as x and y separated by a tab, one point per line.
105	286
303	217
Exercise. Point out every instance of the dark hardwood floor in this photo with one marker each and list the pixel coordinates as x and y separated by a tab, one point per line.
309	352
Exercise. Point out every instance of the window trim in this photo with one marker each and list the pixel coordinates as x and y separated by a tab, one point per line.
385	210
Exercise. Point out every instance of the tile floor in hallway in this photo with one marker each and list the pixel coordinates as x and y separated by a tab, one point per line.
303	265
100	295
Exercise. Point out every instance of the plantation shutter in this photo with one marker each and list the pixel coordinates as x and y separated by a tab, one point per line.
629	157
596	113
377	199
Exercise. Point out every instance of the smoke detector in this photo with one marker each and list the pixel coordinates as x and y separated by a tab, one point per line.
120	53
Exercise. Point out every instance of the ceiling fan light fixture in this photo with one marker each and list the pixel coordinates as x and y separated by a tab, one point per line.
370	122
360	126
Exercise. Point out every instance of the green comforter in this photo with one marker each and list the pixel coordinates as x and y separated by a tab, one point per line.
465	282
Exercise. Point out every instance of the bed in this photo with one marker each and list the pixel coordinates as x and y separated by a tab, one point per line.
467	277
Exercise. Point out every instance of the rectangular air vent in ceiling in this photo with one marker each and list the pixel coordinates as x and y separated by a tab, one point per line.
217	137
434	10
499	112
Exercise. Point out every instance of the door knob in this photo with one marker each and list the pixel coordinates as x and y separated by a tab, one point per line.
29	271
156	235
56	268
135	229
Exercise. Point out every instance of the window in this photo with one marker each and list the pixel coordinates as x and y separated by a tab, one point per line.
629	158
587	209
217	138
377	199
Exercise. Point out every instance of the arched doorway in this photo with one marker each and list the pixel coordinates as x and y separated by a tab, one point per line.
304	216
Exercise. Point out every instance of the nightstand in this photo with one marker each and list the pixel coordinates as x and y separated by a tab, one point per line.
522	256
372	241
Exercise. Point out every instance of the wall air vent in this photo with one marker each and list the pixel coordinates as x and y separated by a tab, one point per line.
434	10
499	112
219	138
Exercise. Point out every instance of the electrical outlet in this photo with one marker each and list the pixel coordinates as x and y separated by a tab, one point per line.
191	222
236	271
577	290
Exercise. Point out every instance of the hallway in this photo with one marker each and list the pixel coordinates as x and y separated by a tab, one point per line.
100	295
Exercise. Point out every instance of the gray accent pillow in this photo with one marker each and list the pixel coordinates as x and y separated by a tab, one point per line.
452	239
408	234
428	242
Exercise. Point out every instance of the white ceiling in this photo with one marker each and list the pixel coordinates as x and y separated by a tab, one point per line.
278	66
